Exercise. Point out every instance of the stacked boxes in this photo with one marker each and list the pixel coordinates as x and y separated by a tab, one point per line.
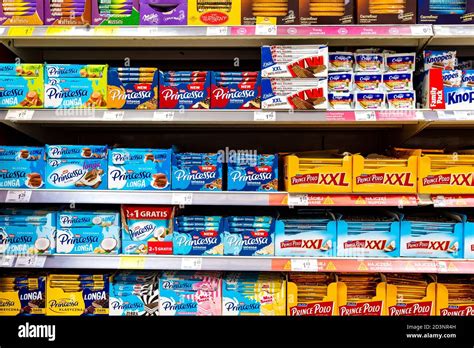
314	12
115	12
198	235
67	12
235	90
445	12
21	167
139	169
197	172
454	295
76	167
22	294
210	12
294	77
386	12
249	236
270	12
185	90
17	12
88	232
163	12
22	85
253	173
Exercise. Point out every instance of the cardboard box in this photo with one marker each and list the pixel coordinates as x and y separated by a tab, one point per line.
22	13
445	12
372	12
261	12
208	12
23	295
22	86
469	238
453	295
22	167
107	13
254	173
196	172
294	94
313	12
163	12
231	91
185	90
58	14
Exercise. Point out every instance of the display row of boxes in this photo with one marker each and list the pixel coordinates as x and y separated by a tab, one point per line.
173	293
234	12
156	230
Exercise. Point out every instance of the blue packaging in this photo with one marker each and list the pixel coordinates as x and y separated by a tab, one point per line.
422	238
469	239
261	176
198	238
248	241
467	78
458	98
192	94
369	238
445	12
204	177
76	151
21	167
21	86
83	232
139	169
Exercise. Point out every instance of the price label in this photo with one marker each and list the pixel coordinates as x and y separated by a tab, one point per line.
439	202
106	31
21	31
163	116
217	31
19	115
182	198
132	262
365	115
264	116
18	196
56	31
7	261
304	265
423	30
419	115
114	115
30	261
463	115
265	30
191	263
2	30
442	266
298	200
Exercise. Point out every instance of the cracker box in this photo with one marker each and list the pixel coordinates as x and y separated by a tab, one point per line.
384	175
21	167
252	293
117	12
21	86
76	167
383	12
198	235
311	295
410	294
318	172
27	232
88	232
253	173
147	229
77	295
432	235
235	90
445	12
22	294
454	295
196	172
75	86
191	293
361	295
163	12
67	12
376	235
185	90
139	169
446	174
313	12
247	237
13	12
315	235
269	12
210	12
469	238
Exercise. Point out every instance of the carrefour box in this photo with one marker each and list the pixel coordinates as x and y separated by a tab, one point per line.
445	12
253	173
198	235
139	169
322	12
21	86
376	235
432	235
83	232
106	12
21	167
23	294
75	86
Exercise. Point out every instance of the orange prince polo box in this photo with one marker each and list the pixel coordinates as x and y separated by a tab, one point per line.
281	12
386	11
313	12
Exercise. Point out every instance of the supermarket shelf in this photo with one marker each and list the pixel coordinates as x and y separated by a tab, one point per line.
241	263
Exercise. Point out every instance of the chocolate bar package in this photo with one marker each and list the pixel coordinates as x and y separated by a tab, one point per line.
249	238
22	85
185	90
115	12
212	12
445	12
21	12
163	12
68	12
313	12
21	167
196	172
253	173
230	91
386	11
131	89
296	94
281	12
198	237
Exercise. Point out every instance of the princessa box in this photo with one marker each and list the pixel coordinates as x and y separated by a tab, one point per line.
269	12
21	167
23	294
386	12
21	86
313	12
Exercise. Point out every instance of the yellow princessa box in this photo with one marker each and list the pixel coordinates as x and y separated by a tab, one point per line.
83	296
384	175
22	295
212	12
445	174
454	295
318	173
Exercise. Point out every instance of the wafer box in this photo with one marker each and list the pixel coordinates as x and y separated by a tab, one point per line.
18	12
386	12
163	12
270	12
21	86
445	12
313	12
22	167
294	94
115	12
454	295
67	12
23	294
210	12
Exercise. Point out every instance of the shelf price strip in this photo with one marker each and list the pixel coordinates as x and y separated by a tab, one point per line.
191	263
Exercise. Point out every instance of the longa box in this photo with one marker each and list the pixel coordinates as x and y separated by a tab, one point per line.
313	12
445	12
22	167
210	12
21	86
17	12
70	12
269	12
382	12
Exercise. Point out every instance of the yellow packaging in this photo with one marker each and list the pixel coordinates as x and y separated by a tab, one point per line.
210	12
22	297
313	174
384	175
454	298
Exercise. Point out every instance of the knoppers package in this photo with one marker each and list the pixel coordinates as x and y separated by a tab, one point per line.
22	167
22	85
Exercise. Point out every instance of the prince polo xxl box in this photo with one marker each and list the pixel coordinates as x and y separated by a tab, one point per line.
313	12
386	12
445	11
270	12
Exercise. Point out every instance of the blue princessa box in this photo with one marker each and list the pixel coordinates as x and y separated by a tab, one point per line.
198	235
21	167
438	236
197	172
21	86
139	169
253	173
445	12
